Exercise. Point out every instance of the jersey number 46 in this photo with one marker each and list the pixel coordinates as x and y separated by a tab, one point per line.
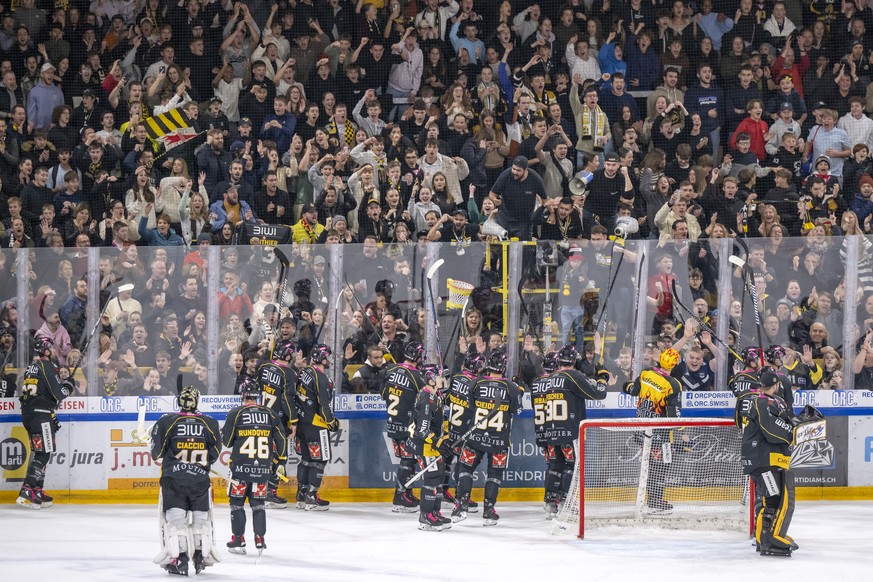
256	447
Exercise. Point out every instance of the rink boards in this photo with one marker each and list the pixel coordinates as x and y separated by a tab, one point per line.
101	457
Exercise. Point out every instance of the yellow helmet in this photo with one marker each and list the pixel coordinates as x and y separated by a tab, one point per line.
669	359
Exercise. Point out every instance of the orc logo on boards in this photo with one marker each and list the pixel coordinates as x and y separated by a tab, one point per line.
12	454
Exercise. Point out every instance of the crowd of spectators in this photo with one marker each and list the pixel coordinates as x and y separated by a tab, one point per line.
386	125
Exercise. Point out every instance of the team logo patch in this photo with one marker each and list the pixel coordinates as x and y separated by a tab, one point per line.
468	457
498	460
549	453
259	490
298	446
36	443
569	452
315	450
237	489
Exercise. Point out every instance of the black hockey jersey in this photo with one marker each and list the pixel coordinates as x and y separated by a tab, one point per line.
802	377
314	398
278	381
564	408
767	431
458	403
744	381
539	391
186	444
257	442
428	416
41	387
402	385
494	401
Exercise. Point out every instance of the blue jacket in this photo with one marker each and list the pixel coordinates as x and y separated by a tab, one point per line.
280	135
702	100
155	239
862	207
610	64
644	67
217	209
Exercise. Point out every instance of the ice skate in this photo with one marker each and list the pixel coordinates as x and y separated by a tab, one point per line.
179	566
460	511
29	498
237	545
315	503
404	503
260	544
273	501
431	522
489	516
44	497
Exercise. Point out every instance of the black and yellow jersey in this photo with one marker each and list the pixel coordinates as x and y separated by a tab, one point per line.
314	398
660	396
257	442
187	444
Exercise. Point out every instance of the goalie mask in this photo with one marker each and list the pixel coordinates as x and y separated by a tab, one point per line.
188	399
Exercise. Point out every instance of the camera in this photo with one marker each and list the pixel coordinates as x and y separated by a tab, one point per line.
547	254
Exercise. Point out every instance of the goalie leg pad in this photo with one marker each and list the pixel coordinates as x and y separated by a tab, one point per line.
204	538
176	532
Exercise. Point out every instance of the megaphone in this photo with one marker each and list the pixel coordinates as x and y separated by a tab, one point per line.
579	184
625	225
491	228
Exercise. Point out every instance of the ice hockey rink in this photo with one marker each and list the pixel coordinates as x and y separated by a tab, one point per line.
366	542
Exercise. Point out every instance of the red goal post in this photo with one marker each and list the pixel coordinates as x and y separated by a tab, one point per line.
674	473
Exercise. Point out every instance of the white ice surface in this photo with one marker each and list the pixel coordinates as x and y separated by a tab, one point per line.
366	542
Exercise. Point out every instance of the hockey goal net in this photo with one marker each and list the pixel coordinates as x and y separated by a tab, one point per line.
665	473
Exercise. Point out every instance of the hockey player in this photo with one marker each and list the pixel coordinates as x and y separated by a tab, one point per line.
41	392
747	378
186	443
431	443
315	422
494	400
257	441
402	384
775	356
539	391
660	396
767	436
278	380
459	413
564	409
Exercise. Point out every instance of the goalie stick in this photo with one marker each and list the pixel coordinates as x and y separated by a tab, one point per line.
703	324
433	311
460	441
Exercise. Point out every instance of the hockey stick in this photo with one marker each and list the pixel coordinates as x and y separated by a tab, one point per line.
436	324
97	324
458	442
703	325
611	280
640	260
280	292
749	282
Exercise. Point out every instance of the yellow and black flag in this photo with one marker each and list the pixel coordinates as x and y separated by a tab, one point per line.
172	128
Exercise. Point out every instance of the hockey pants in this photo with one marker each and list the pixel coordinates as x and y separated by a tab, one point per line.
41	429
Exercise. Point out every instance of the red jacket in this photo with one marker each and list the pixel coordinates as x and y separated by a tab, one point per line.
756	131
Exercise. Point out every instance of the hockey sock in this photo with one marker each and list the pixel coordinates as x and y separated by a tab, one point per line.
316	472
465	485
566	481
404	473
259	518
36	469
492	489
238	518
554	478
303	475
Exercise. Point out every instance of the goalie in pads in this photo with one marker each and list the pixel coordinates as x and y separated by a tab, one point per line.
186	443
768	433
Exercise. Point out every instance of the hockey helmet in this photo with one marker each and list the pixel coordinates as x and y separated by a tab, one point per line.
567	356
413	351
751	355
773	353
284	350
496	362
474	362
669	359
550	362
303	287
320	353
249	388
189	399
41	345
385	287
430	372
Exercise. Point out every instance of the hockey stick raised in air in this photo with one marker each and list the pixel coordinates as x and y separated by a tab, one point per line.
280	292
749	283
703	325
97	325
458	442
433	312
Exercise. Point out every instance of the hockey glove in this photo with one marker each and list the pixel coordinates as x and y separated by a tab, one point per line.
68	388
56	424
333	425
601	374
444	445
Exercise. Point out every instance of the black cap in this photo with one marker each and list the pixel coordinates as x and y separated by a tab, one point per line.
768	377
245	121
215	99
88	93
459	211
307	208
820	105
520	162
612	157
